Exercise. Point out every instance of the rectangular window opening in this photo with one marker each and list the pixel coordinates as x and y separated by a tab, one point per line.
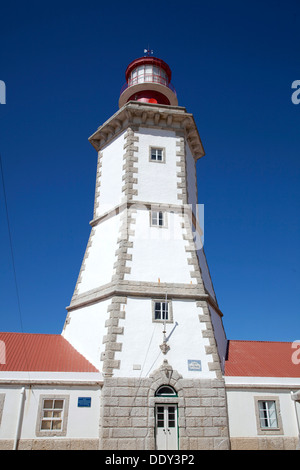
157	154
161	311
158	219
52	415
267	414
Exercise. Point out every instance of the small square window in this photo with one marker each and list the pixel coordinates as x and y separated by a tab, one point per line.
52	419
157	154
162	311
52	415
158	218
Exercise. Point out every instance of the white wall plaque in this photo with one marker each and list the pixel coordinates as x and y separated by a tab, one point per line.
194	364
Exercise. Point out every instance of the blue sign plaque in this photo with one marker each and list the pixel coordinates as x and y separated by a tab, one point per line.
84	402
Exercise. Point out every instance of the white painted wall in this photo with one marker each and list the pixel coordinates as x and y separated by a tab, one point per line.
191	178
220	335
159	252
241	411
101	255
81	423
205	273
86	330
111	175
142	337
10	411
157	182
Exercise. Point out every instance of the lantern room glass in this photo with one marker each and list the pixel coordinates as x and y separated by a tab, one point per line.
148	73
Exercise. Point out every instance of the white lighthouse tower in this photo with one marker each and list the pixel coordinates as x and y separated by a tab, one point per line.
144	311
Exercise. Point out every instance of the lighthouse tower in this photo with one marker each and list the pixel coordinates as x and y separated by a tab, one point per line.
144	310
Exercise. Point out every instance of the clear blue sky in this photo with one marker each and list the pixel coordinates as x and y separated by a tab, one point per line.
233	65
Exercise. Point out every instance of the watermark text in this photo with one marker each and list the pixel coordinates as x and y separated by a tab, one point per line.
2	92
2	352
174	222
296	94
296	354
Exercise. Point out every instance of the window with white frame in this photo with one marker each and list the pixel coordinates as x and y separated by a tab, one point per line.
162	311
267	414
158	219
52	417
157	154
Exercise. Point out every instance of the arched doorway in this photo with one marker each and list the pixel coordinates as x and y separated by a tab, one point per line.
166	419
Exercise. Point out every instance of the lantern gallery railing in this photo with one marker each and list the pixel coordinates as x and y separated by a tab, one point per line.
147	78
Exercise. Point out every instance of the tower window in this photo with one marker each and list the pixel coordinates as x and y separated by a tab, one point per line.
162	311
157	154
158	219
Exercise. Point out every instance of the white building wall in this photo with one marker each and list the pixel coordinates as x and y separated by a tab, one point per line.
141	354
158	252
10	411
242	404
82	423
86	329
157	182
110	176
205	273
191	179
220	335
98	264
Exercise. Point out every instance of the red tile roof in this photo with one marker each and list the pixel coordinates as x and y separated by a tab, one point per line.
40	352
262	359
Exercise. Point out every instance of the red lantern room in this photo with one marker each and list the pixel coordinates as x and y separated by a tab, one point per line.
148	79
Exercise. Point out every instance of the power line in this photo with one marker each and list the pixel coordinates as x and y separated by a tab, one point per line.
11	245
14	268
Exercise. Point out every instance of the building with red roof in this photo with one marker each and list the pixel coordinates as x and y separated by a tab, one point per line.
143	361
42	377
262	380
262	359
41	353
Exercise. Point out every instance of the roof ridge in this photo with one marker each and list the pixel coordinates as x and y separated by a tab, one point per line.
258	341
